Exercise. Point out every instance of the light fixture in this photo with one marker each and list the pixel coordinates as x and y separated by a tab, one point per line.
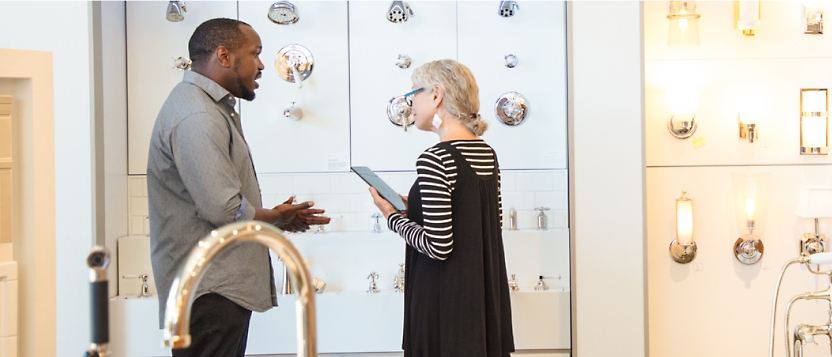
683	248
683	104
748	125
813	19
814	203
814	123
750	202
175	11
684	27
747	16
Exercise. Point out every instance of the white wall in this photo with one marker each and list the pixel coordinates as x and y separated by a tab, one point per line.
63	28
607	179
716	306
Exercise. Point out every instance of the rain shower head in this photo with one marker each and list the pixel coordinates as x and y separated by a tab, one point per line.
507	8
283	13
175	10
399	12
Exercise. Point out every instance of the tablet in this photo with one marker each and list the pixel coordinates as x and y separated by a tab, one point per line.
383	189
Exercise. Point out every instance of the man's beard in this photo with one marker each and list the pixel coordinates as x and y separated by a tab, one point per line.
245	93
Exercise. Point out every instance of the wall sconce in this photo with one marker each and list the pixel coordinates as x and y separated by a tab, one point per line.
683	248
814	203
747	16
814	123
812	19
750	202
748	126
683	104
684	27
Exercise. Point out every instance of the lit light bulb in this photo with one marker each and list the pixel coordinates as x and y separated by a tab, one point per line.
749	208
683	22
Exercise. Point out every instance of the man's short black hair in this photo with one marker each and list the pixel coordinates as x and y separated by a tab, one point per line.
212	34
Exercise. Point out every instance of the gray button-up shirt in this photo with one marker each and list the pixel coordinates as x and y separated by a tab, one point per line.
200	176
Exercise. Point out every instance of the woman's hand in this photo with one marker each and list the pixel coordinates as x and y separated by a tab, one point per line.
385	207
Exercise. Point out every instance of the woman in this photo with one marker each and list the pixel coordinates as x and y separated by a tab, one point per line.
456	296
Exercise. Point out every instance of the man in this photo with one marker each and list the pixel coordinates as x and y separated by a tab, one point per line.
200	176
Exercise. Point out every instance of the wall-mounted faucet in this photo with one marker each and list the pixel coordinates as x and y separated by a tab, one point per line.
293	113
178	311
542	223
377	223
372	289
294	63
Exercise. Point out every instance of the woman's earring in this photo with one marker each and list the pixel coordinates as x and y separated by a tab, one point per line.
436	121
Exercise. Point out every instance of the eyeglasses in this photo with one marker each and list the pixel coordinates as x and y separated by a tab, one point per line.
409	95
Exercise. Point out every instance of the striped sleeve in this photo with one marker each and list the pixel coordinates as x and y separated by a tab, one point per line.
437	174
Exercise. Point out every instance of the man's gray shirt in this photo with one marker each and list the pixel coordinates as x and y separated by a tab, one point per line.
200	176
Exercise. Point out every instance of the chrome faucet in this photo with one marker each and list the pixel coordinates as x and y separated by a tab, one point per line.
178	312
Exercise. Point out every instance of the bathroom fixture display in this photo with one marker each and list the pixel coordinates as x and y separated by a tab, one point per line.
320	229
319	285
512	220
399	12
98	260
510	60
542	223
398	281
747	16
182	63
286	285
541	285
683	248
814	203
812	19
748	127
398	109
684	27
814	122
176	10
802	333
377	223
145	290
512	284
750	201
403	61
511	108
373	276
293	113
508	8
683	104
294	63
283	13
178	311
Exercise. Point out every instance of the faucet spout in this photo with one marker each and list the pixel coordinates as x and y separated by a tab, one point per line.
178	312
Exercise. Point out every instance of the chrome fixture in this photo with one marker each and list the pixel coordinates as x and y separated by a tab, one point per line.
182	63
178	311
812	19
283	13
541	218
377	224
319	285
683	248
541	285
175	11
508	8
98	260
293	60
511	108
510	60
683	104
286	285
398	111
748	129
293	113
747	16
512	220
814	203
512	284
145	288
403	62
399	12
750	201
814	122
320	229
398	282
372	289
684	27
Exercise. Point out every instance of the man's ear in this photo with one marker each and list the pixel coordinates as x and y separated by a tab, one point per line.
224	57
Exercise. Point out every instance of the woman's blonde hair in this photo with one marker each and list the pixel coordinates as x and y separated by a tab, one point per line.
462	97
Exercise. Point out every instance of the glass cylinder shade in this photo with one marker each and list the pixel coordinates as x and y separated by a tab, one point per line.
813	122
750	196
684	23
684	220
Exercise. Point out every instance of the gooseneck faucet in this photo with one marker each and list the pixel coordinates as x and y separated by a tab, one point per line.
178	311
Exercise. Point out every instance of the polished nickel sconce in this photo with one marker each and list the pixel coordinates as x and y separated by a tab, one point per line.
747	16
748	126
814	203
812	19
684	28
683	104
683	248
814	122
750	201
175	11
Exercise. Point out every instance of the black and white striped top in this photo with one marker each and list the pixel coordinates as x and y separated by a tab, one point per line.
437	171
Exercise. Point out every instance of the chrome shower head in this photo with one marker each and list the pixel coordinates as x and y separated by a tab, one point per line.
399	12
283	13
175	10
507	8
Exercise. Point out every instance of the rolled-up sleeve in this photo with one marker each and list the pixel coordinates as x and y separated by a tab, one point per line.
201	154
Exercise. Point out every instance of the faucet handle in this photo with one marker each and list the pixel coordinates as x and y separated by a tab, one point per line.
372	289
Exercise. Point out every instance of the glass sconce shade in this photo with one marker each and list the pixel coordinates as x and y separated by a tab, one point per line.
684	27
747	16
814	123
683	105
750	193
683	248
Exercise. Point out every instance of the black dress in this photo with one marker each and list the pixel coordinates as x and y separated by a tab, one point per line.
460	307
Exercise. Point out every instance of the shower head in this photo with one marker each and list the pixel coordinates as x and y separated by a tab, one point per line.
507	8
399	12
175	10
283	13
